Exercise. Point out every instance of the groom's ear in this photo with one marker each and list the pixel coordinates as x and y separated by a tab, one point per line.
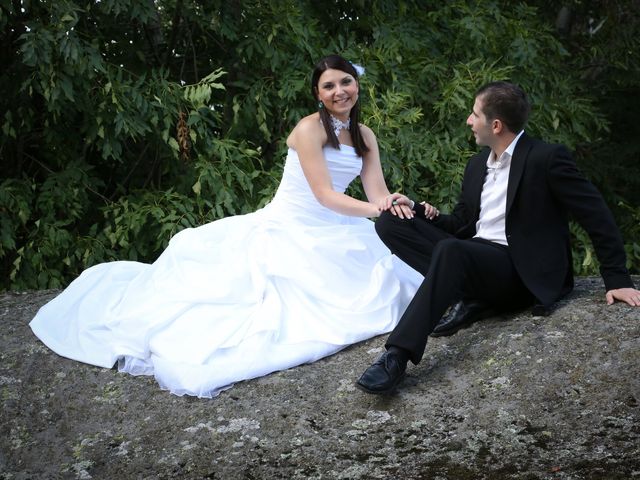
497	126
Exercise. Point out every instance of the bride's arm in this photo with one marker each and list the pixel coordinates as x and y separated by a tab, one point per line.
373	181
308	139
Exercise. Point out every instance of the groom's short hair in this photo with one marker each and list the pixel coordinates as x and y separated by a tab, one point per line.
506	102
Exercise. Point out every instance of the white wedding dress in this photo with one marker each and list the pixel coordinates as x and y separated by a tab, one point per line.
239	297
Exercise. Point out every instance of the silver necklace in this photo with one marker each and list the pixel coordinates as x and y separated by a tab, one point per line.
338	124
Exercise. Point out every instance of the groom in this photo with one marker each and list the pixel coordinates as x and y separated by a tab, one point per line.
505	246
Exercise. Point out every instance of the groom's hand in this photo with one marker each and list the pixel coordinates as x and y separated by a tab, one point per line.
430	211
627	295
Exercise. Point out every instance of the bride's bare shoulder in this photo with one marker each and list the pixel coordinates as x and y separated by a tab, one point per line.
308	128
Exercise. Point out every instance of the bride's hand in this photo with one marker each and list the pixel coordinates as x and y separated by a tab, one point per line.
398	204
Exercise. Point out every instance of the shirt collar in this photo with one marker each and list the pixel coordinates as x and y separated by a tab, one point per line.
508	153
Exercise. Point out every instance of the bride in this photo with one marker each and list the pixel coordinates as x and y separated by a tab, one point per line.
247	295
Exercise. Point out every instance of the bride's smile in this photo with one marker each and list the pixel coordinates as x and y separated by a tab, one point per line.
338	92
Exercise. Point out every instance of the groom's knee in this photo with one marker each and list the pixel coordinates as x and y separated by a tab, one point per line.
386	225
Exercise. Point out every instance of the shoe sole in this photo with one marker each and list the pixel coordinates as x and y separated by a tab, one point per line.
388	391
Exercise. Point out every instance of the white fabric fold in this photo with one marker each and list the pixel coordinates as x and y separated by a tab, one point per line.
240	297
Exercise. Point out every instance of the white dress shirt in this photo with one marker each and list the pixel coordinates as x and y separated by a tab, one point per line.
493	201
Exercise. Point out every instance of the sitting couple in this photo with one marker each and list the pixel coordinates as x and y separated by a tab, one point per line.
307	275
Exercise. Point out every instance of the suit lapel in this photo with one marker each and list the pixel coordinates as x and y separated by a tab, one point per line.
476	181
516	170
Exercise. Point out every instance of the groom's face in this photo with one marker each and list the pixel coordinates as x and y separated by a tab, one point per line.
482	128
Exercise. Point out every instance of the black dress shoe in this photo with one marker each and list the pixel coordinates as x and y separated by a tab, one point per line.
384	375
460	316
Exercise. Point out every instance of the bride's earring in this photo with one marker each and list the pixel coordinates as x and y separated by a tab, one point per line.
320	105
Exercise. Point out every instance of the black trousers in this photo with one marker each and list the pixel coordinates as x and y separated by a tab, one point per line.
454	269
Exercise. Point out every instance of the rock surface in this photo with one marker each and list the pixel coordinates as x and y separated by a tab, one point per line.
512	397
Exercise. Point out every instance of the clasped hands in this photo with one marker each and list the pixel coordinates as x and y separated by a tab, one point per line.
403	207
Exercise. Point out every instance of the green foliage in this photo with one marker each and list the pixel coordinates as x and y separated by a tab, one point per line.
124	122
604	56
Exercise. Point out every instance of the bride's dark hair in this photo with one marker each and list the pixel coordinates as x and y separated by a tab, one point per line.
336	62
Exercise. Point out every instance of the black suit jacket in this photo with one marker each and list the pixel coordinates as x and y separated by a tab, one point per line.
545	186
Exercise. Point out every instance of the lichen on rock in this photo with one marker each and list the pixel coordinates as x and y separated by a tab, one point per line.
511	397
